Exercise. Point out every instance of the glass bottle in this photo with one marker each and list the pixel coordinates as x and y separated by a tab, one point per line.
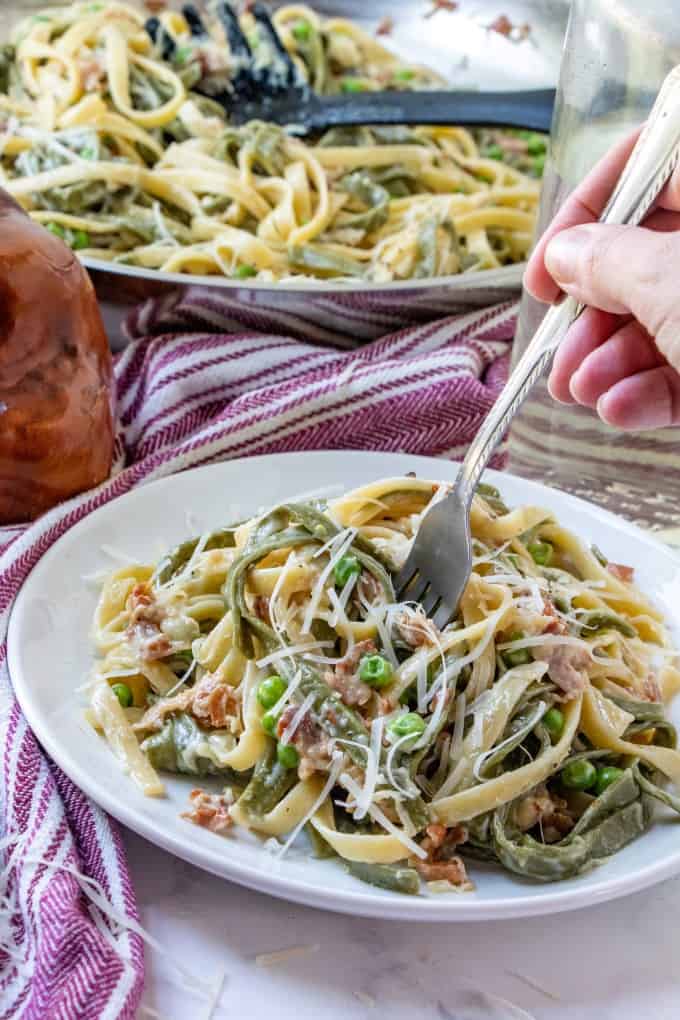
616	54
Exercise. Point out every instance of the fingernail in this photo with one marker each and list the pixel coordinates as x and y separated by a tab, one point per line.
563	252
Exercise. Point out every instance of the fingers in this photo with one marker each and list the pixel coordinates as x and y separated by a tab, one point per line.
649	400
626	353
624	270
583	206
590	330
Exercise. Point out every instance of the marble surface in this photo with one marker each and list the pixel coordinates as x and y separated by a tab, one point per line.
612	962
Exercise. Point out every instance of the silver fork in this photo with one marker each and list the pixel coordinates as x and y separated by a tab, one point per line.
440	560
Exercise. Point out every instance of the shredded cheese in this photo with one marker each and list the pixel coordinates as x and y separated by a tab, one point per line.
295	721
290	651
354	789
335	770
339	547
284	955
371	771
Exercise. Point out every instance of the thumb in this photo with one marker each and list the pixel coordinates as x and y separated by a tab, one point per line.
625	270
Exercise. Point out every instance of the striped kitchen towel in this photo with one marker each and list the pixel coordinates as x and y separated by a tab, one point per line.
185	398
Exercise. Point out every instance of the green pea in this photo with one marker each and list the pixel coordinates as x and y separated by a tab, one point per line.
123	693
517	656
270	691
245	272
407	725
404	74
352	85
606	775
88	153
182	54
553	720
56	229
375	671
579	775
287	755
81	239
536	145
302	30
269	723
541	553
344	568
493	152
539	164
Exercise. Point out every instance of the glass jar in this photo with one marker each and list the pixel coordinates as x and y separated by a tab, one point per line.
616	54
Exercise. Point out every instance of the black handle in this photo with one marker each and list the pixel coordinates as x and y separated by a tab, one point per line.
528	109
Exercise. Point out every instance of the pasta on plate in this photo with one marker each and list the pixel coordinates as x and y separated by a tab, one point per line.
119	150
270	660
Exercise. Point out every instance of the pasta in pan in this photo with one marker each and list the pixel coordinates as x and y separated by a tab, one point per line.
273	656
116	148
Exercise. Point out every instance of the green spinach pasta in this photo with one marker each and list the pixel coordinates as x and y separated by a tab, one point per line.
271	662
116	148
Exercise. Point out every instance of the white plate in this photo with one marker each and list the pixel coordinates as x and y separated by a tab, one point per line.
49	656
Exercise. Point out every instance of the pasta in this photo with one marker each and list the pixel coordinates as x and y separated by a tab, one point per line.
120	151
273	656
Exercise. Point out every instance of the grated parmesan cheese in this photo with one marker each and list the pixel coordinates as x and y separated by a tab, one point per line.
336	768
300	713
354	789
371	772
284	955
341	543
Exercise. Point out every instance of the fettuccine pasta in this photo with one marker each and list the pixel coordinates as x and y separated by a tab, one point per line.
273	656
117	146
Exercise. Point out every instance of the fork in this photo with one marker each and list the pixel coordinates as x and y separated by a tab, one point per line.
440	560
276	91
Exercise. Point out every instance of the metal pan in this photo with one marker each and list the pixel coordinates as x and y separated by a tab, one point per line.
460	46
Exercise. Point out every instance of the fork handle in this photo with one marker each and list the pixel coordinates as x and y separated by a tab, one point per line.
650	165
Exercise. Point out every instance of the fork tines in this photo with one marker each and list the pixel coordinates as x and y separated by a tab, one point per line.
253	80
194	21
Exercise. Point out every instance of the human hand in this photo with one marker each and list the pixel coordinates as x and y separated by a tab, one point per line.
622	356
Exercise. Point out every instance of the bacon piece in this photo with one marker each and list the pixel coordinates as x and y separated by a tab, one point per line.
503	26
417	630
144	625
621	572
385	27
452	871
261	607
650	689
309	740
442	864
441	5
209	810
344	678
566	668
211	701
555	625
368	588
539	807
214	702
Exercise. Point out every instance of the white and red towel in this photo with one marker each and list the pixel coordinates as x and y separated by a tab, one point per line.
187	396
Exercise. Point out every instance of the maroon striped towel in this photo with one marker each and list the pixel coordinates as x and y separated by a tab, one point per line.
188	398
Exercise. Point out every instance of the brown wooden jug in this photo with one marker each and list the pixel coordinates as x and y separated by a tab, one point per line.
56	413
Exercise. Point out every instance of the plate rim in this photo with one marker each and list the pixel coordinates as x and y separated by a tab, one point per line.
374	903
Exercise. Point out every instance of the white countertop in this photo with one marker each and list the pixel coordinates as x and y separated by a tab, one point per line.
612	962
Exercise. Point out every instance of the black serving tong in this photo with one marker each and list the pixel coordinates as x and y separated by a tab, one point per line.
276	92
